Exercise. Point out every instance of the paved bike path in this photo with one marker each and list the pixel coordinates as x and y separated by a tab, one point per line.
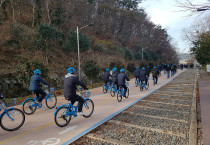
204	88
40	129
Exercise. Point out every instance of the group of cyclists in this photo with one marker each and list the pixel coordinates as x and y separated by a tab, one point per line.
141	75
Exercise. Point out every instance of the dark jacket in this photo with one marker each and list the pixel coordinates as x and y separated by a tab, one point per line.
142	76
168	68
35	82
70	85
121	79
114	77
106	76
137	73
147	71
155	73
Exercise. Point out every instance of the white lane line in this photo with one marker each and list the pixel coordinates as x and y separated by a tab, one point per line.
68	129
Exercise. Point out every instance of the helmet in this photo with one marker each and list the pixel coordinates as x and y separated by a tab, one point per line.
137	67
107	69
37	71
71	70
115	69
143	68
155	67
148	66
122	70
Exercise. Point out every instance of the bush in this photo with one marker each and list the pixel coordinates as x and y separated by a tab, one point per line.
117	64
129	54
131	67
91	69
70	44
25	69
191	65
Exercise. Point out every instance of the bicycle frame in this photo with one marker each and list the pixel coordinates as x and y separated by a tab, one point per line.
6	110
72	107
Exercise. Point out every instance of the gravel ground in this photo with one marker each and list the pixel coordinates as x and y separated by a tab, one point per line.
166	107
152	123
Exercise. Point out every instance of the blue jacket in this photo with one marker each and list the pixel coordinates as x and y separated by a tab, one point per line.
35	82
137	73
121	79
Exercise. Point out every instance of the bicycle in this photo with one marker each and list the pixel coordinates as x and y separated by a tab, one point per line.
64	113
106	87
121	91
30	105
137	82
113	90
143	85
11	119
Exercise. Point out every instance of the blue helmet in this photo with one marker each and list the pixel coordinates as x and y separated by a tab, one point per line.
107	69
71	70
37	71
122	70
115	69
137	67
155	67
148	66
143	68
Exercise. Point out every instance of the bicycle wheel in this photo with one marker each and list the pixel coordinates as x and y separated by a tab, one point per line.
119	96
51	101
29	106
147	86
104	89
88	108
112	92
12	120
61	119
127	93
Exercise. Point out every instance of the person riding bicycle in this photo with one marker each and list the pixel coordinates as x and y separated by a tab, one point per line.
147	71
137	73
168	69
121	80
143	76
114	77
35	85
107	75
70	87
155	74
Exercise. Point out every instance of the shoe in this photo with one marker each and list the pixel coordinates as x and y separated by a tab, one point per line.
37	102
80	113
124	95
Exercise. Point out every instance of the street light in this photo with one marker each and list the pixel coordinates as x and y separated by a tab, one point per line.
78	45
203	9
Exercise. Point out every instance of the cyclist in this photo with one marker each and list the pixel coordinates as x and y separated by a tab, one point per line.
143	76
168	69
121	80
106	76
137	73
114	77
147	71
35	85
155	74
70	87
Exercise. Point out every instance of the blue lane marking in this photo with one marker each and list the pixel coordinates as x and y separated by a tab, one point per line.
109	117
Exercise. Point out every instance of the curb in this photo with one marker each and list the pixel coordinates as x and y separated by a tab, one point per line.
193	124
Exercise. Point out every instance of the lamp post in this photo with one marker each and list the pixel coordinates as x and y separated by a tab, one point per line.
203	9
78	46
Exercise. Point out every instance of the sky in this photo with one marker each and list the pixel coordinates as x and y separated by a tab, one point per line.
168	15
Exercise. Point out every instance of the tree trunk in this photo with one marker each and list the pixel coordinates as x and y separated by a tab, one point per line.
48	12
13	11
33	10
